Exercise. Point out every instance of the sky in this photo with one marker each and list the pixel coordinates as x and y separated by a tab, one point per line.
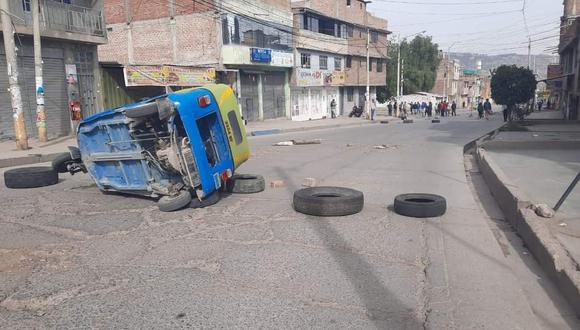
478	26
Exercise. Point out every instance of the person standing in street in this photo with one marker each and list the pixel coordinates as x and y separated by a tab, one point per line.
430	109
333	108
373	108
396	108
453	108
506	113
390	108
480	110
487	108
438	109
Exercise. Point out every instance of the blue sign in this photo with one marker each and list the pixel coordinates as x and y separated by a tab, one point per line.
261	55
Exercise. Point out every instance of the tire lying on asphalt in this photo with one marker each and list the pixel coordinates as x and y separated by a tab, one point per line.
208	201
328	201
174	203
420	205
30	177
408	121
384	121
59	164
245	184
435	121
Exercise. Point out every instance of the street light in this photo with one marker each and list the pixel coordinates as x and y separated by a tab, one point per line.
399	89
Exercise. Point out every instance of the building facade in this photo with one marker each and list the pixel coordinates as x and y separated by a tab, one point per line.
569	50
157	46
70	32
448	79
330	49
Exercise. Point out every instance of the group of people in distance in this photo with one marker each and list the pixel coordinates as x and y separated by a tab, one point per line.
484	108
425	109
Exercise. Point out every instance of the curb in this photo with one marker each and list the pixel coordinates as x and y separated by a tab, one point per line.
27	160
550	254
303	129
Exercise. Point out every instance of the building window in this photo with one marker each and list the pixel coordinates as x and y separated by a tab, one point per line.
305	60
349	94
348	3
239	30
26	5
349	31
310	23
379	65
362	63
370	68
374	37
337	64
323	62
349	61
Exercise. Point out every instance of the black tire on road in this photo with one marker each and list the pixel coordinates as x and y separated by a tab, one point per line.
435	121
328	201
245	184
384	121
408	121
30	177
208	201
420	205
59	164
174	203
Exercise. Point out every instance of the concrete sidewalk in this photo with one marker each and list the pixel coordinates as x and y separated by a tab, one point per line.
536	165
44	152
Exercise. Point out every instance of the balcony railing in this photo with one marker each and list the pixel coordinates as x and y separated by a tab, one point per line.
60	17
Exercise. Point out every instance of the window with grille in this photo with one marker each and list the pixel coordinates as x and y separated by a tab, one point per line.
305	60
337	64
323	62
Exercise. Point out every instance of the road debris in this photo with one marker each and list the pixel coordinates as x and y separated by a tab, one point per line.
309	182
277	184
543	210
386	146
563	224
296	143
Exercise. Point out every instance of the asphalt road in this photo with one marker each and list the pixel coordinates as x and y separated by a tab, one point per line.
72	257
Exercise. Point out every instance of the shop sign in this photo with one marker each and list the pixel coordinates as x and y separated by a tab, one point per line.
261	55
283	59
307	77
167	75
335	78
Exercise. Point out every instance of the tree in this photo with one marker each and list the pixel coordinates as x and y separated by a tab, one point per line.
421	58
511	85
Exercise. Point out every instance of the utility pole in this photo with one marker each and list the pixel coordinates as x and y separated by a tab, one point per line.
12	68
402	75
40	114
368	94
529	51
399	66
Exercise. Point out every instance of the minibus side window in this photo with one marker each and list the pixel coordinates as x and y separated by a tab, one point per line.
235	126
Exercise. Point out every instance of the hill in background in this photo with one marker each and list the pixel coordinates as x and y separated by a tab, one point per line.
539	63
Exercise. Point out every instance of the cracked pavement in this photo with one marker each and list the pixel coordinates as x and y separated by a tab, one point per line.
72	257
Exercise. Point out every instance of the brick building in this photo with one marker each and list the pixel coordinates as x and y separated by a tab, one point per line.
171	44
448	80
70	32
569	50
330	56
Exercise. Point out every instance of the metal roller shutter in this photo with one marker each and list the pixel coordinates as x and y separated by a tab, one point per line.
249	93
57	117
274	100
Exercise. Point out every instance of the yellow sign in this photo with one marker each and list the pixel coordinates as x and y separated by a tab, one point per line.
168	75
